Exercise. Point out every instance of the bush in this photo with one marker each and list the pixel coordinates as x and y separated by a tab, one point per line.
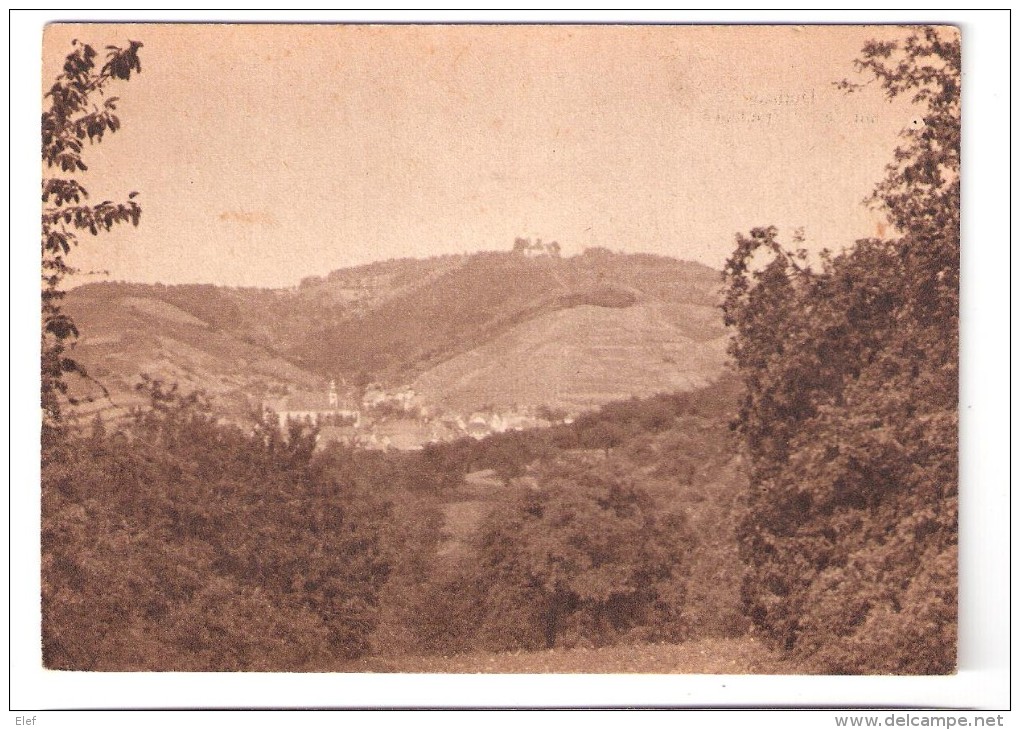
181	544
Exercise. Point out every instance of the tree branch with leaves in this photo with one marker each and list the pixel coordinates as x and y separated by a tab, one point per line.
76	111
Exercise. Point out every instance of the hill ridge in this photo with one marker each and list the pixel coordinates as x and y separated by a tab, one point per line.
408	321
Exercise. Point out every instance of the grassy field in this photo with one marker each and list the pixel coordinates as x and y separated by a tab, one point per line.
743	655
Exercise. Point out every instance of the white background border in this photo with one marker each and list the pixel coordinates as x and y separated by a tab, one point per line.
983	681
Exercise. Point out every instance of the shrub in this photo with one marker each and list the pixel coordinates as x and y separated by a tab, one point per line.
181	544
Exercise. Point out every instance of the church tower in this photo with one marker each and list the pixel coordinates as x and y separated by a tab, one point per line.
334	398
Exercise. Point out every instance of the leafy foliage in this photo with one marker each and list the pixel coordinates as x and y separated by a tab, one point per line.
72	117
850	409
563	545
177	543
582	559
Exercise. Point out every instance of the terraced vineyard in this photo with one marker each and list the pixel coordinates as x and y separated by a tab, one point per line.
490	329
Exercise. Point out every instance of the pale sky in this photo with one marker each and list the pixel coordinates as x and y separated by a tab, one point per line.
266	153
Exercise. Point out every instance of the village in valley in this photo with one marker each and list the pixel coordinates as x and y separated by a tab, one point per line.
377	418
382	419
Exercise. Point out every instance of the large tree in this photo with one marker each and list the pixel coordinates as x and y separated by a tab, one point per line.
588	556
76	111
850	408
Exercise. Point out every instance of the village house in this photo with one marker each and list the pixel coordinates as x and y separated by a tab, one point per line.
405	399
391	419
402	434
330	408
484	423
348	435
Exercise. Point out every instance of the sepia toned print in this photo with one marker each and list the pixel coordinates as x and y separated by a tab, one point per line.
533	349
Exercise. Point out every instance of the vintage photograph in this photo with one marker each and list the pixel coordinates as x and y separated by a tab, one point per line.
539	349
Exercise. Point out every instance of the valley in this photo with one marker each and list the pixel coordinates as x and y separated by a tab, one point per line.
494	333
448	396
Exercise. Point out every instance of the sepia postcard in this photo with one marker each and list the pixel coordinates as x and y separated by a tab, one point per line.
467	349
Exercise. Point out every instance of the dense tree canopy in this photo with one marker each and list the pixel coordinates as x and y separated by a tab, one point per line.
177	543
174	541
850	408
582	559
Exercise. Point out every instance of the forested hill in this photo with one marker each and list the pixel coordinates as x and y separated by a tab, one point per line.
402	320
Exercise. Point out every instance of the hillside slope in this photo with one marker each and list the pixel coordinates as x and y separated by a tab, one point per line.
579	358
481	297
123	337
487	328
